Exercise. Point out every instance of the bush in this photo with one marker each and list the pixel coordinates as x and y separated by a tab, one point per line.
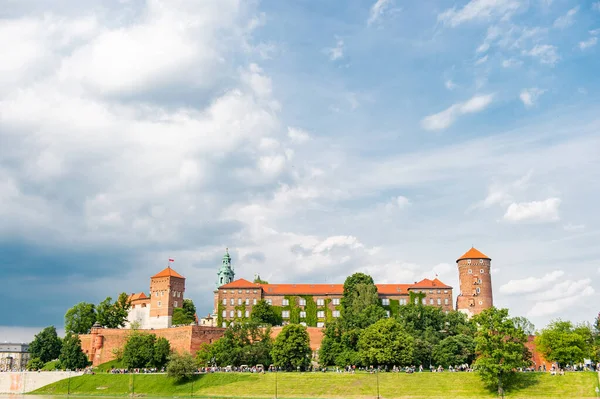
181	367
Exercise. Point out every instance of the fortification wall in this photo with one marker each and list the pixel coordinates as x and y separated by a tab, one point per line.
102	343
22	382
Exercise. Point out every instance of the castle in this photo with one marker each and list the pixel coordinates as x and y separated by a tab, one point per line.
315	304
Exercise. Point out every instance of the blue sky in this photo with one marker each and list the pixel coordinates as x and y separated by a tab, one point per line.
313	138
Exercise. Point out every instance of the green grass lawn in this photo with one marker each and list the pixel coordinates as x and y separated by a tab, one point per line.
324	385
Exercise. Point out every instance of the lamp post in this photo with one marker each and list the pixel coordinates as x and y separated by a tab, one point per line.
377	375
69	384
132	383
193	377
276	381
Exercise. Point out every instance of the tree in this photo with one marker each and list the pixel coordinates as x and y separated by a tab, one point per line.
500	348
186	314
139	350
264	313
562	343
71	356
46	345
524	324
385	343
454	350
113	315
80	318
291	350
258	280
360	302
35	364
181	366
162	351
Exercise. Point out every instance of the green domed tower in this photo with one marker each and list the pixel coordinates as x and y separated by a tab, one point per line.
226	273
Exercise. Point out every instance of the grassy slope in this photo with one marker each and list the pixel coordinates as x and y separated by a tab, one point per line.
317	385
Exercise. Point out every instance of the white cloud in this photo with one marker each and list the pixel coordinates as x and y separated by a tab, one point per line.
511	63
543	211
450	85
298	135
530	284
574	227
566	20
530	96
377	10
481	60
477	10
560	296
545	53
591	42
444	119
501	194
337	52
399	202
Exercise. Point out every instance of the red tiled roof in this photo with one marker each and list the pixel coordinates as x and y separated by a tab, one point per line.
168	272
330	289
134	297
474	254
241	283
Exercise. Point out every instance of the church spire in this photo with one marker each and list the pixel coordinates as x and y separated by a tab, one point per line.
226	273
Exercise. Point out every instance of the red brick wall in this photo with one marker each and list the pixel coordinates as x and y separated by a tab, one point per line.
469	299
182	339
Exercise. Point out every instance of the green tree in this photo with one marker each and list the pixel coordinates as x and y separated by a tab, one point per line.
181	366
204	355
242	343
80	318
385	343
291	350
139	350
162	351
46	345
563	343
113	315
35	364
360	302
258	280
454	350
71	356
264	313
186	314
500	348
524	324
428	325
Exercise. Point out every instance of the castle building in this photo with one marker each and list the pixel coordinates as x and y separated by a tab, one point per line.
315	304
156	311
14	357
474	274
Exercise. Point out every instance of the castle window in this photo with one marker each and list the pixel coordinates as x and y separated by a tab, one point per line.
446	301
416	301
302	302
439	301
174	294
431	301
480	260
470	271
385	302
270	301
232	301
402	301
387	312
231	313
285	302
247	291
224	291
224	324
239	313
439	291
255	291
424	301
445	291
247	313
156	293
478	290
175	304
481	271
320	324
247	301
254	301
481	302
320	302
178	294
224	314
239	291
285	314
162	293
239	301
159	304
335	313
321	314
468	261
224	301
336	301
431	291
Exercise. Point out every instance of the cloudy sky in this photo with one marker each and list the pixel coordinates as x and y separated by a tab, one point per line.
312	138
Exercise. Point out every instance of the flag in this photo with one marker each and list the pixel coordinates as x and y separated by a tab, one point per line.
171	260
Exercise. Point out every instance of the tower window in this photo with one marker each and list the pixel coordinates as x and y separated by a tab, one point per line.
480	260
174	294
468	261
478	290
175	304
224	301
470	271
481	302
159	304
481	271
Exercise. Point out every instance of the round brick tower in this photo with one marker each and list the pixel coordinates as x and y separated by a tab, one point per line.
475	283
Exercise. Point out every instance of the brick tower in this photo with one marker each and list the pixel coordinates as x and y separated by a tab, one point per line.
166	294
475	283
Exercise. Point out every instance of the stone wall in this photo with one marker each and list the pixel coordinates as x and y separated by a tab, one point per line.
22	382
102	343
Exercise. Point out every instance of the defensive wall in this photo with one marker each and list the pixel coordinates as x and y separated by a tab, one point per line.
17	382
102	343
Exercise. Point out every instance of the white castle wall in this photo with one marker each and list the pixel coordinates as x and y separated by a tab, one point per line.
22	382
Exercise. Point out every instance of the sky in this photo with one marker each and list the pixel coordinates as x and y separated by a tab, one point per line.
314	139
